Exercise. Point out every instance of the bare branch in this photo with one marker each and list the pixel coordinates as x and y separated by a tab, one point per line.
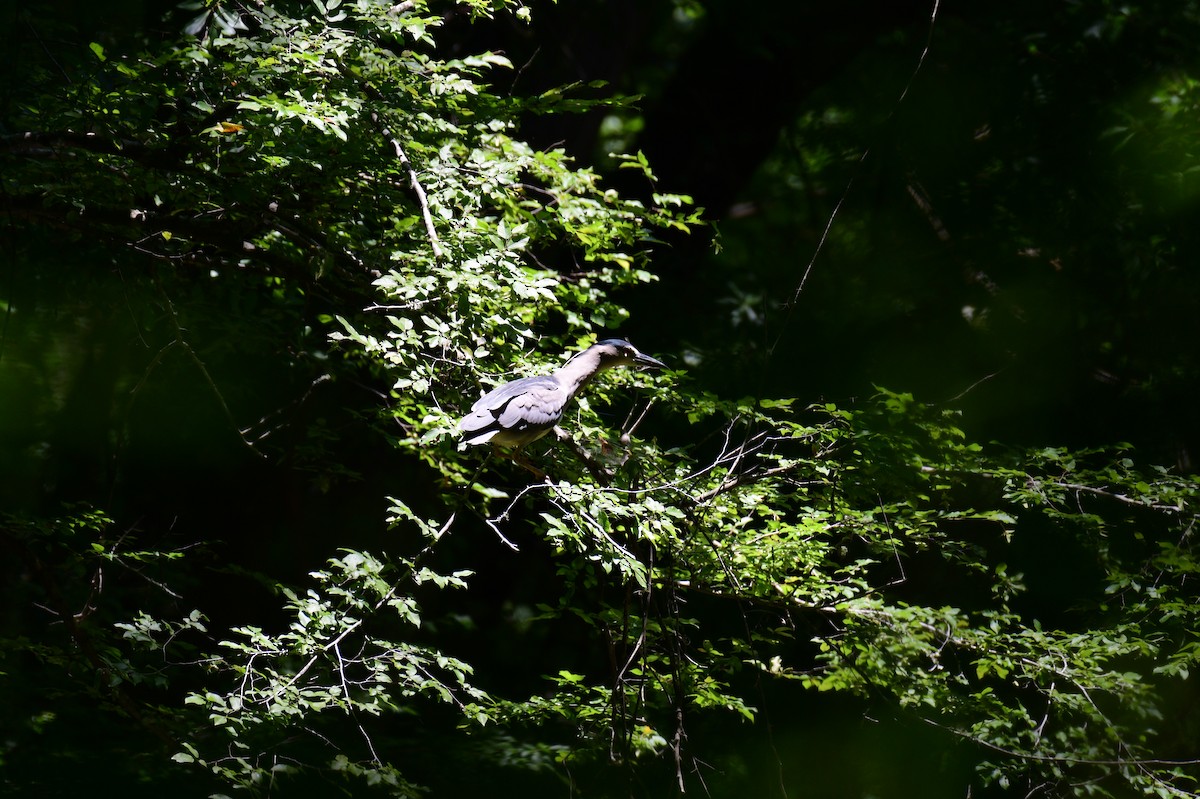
413	180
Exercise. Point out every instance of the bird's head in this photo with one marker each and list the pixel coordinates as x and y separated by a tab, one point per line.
618	352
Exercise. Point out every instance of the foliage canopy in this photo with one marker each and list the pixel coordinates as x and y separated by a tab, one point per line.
334	188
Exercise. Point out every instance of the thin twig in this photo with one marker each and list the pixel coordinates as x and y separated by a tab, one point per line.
181	342
1138	761
866	152
972	387
414	182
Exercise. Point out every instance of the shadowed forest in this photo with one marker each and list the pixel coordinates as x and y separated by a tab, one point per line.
910	512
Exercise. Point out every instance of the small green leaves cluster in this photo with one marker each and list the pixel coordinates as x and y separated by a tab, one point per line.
343	661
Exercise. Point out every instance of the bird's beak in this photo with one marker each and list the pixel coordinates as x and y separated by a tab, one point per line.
642	359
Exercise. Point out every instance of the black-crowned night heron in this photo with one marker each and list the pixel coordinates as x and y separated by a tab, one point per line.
524	410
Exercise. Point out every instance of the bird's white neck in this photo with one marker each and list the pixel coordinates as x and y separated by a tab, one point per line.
575	373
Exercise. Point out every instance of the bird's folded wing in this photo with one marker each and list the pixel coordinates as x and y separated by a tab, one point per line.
539	405
531	402
478	422
497	398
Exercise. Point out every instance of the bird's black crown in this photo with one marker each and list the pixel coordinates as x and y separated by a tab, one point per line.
619	343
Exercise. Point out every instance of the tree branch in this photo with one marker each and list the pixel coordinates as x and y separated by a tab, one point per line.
413	180
77	629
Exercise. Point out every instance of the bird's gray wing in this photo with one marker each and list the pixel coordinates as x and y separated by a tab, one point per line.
498	397
479	426
539	405
531	402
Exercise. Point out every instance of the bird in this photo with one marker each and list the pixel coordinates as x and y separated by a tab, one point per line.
522	411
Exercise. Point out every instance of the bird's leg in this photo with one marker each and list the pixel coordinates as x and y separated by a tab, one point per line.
518	457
